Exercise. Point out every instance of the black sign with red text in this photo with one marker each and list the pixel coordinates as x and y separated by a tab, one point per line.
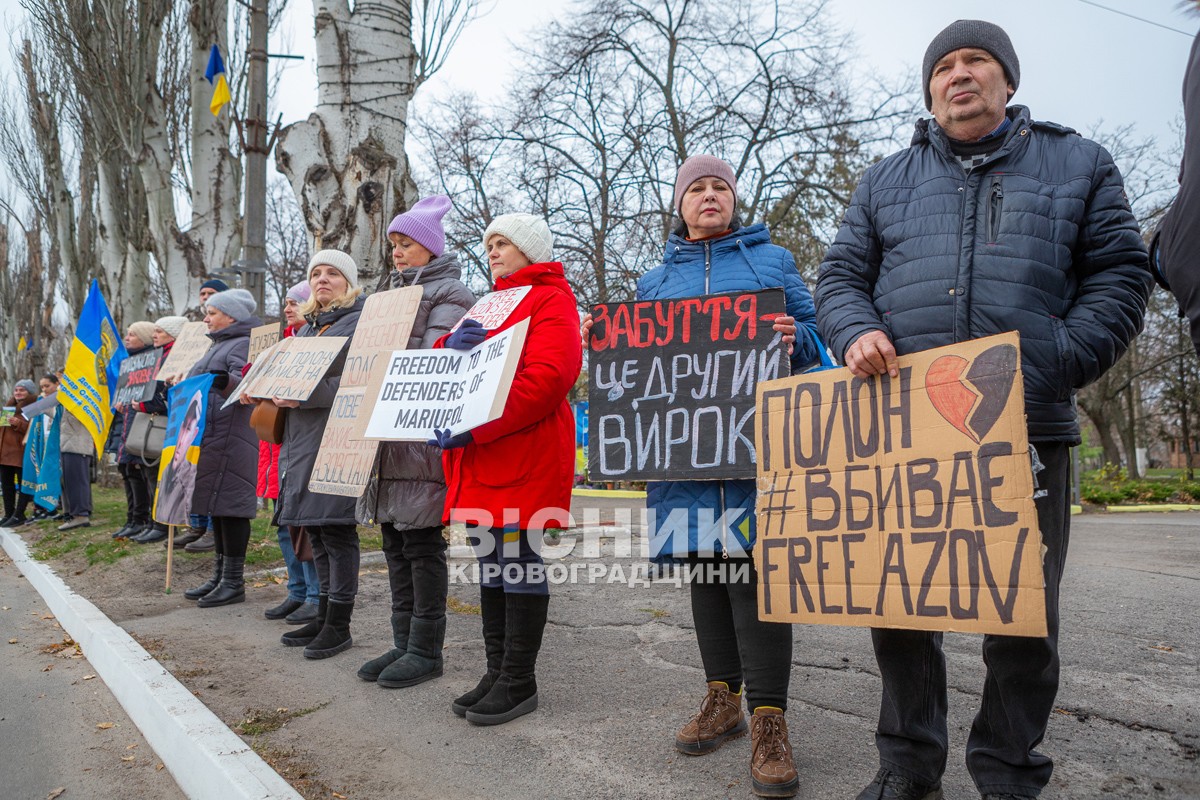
671	385
136	377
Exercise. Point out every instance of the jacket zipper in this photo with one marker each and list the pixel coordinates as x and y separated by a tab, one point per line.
707	264
994	210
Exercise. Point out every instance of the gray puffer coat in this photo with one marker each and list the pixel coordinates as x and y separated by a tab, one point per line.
407	487
304	427
227	471
1038	239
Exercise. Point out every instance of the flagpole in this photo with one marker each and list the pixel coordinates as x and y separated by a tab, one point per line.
170	554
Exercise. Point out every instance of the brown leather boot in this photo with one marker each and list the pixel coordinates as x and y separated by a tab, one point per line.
720	719
772	773
192	534
204	544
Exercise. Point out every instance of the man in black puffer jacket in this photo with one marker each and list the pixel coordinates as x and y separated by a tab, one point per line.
989	222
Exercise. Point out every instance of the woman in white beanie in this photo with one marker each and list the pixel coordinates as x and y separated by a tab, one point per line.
332	309
225	472
514	474
135	473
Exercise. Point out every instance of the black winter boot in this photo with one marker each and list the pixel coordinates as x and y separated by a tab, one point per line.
335	636
210	584
302	636
423	661
231	589
515	691
400	624
491	609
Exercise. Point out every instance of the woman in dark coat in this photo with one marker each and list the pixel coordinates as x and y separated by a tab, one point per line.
332	310
408	488
139	487
226	471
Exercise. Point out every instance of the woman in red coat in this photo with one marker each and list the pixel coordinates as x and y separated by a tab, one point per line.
514	474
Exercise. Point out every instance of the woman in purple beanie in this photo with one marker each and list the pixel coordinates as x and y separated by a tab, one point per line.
408	487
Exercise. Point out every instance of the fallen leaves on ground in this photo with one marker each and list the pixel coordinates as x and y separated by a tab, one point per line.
88	677
56	793
104	725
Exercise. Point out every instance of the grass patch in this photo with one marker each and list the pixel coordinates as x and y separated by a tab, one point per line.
459	607
1111	486
97	547
260	721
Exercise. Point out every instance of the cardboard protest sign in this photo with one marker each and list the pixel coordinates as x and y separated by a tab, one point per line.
343	464
905	502
492	309
136	377
187	412
261	338
421	390
257	368
190	345
671	384
295	367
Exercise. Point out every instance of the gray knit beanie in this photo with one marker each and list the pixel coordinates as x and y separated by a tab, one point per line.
236	303
28	386
971	33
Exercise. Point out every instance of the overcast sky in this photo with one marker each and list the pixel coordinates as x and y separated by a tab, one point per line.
1080	65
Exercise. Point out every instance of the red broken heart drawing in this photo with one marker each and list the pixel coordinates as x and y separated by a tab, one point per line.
971	395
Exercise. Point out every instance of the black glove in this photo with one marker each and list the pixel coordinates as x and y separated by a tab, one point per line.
468	335
444	440
220	379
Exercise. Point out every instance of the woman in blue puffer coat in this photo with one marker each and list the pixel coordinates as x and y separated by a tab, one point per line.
710	252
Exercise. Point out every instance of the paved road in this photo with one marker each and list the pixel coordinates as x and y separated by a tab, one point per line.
620	672
50	708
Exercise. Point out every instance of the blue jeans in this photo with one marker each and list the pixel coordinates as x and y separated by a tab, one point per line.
511	554
200	521
302	575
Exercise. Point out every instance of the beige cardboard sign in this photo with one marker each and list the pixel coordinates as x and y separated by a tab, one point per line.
295	367
190	346
344	462
261	338
422	390
901	502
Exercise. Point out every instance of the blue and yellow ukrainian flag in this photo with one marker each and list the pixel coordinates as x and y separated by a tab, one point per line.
215	73
92	363
23	345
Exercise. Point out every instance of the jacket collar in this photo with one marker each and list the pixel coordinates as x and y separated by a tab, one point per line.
322	318
929	132
748	235
549	273
444	266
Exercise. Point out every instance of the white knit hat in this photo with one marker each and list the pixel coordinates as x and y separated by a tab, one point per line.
340	261
172	325
528	232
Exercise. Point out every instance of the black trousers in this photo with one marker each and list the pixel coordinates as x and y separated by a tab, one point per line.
77	484
231	535
735	646
1018	692
336	555
417	574
15	501
139	491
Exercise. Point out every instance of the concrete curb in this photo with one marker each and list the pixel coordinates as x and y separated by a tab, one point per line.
1159	508
205	757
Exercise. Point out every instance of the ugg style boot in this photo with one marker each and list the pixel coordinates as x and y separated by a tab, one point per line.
491	609
720	719
772	772
515	692
302	636
231	589
400	625
335	636
210	584
423	660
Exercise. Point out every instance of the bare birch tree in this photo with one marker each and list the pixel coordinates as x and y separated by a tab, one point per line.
346	162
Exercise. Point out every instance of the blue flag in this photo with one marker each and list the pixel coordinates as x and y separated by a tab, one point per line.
92	364
187	414
41	474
